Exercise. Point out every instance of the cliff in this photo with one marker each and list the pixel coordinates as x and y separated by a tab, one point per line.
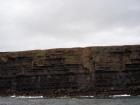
71	72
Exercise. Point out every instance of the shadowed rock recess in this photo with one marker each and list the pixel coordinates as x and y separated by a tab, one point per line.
98	71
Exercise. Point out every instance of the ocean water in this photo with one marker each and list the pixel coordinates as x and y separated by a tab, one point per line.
69	101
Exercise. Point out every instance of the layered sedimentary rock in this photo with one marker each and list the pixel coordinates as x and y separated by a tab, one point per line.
71	72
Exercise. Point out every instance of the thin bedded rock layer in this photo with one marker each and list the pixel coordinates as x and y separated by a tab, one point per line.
86	71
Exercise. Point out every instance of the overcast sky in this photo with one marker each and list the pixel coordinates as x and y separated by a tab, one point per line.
44	24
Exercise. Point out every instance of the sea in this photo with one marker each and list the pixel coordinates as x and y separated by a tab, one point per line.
21	100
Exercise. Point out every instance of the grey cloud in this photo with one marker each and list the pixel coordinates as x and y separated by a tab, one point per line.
42	24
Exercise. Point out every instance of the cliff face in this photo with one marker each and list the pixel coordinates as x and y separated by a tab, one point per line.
71	72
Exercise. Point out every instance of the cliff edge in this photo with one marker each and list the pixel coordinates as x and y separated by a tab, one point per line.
104	71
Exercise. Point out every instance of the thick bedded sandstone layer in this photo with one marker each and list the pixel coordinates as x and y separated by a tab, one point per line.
71	72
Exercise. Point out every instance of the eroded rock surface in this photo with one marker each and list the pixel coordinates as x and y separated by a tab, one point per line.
71	72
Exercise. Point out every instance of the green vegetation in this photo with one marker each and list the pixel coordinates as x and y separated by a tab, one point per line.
40	53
